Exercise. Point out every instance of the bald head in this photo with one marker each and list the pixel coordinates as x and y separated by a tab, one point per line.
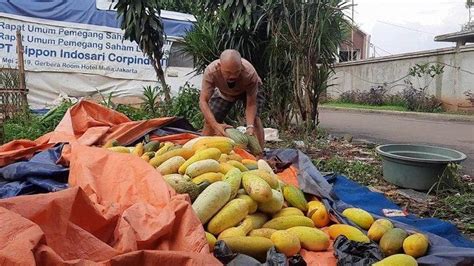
231	66
231	56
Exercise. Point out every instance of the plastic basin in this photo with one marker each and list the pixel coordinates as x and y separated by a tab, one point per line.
416	166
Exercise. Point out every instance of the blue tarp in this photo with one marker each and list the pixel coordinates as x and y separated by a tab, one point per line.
83	12
40	174
447	245
40	112
356	195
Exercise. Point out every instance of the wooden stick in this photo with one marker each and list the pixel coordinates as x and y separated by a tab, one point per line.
21	67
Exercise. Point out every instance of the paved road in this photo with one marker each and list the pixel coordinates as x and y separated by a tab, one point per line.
385	129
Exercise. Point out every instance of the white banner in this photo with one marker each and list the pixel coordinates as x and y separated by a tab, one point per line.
74	50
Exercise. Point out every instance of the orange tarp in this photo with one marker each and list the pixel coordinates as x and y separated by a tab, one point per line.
118	210
19	149
88	124
177	138
289	176
244	154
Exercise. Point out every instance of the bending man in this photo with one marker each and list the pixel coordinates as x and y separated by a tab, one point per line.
226	81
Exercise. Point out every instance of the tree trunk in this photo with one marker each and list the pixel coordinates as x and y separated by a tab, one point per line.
2	134
315	112
161	77
299	89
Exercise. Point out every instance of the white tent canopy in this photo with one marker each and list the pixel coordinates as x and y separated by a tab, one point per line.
76	49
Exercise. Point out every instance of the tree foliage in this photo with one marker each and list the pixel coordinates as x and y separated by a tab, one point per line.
229	24
291	43
142	24
183	6
311	32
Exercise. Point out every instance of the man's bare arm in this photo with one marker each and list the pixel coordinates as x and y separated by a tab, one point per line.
205	96
251	110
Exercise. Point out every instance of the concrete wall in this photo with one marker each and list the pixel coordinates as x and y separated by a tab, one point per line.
450	86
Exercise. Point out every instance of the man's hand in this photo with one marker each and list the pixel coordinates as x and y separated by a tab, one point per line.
219	129
250	131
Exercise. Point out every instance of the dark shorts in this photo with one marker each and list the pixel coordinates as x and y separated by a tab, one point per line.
221	107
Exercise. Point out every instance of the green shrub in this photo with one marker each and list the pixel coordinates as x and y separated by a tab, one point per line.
414	98
375	96
51	120
395	99
30	126
186	104
418	100
351	96
24	126
135	114
151	99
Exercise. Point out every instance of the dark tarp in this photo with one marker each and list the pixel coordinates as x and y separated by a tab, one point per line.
40	174
345	189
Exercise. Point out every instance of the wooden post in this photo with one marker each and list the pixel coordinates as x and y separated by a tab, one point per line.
21	61
21	69
2	133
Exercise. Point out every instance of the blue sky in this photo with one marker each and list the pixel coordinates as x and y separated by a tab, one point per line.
400	26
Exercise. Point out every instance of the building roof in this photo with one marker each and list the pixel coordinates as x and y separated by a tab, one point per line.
461	36
361	31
